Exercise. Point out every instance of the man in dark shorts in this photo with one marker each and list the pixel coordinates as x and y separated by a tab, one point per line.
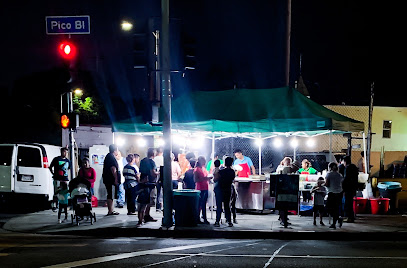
111	177
148	169
59	169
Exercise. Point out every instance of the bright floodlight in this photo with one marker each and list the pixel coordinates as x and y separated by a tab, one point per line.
141	142
120	142
310	142
127	26
294	143
277	142
197	142
177	139
258	142
160	142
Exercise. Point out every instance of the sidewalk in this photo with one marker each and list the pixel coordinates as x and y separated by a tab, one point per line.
366	227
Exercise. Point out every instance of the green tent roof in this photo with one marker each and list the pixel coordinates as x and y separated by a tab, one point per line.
248	111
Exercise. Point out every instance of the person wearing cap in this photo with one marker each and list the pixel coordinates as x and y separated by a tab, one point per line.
245	162
59	170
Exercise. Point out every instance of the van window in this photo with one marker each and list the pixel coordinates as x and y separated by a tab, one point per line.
6	153
29	157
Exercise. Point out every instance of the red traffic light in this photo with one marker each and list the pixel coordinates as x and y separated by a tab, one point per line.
65	122
67	50
70	120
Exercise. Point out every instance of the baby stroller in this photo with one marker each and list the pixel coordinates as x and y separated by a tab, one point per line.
81	201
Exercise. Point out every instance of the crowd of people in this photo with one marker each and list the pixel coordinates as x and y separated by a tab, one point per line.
338	188
142	182
138	183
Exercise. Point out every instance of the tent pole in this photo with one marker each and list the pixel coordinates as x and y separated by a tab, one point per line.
213	185
330	146
364	151
259	158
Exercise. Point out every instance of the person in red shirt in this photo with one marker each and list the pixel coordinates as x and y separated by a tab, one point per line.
89	173
202	183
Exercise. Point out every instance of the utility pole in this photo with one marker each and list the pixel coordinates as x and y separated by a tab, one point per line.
165	75
288	45
369	130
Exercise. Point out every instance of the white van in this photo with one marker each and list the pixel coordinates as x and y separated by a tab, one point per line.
24	170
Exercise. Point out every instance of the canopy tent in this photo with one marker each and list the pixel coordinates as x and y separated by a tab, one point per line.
257	111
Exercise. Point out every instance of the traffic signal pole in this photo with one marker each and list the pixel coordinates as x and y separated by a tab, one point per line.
166	100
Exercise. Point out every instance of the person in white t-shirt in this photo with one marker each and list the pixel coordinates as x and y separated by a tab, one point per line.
175	172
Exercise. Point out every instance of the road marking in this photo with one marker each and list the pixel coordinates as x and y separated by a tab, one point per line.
136	254
197	254
339	257
274	255
4	254
278	256
40	245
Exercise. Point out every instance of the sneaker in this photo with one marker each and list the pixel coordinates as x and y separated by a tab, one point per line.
132	213
206	222
314	223
332	226
149	218
234	221
59	221
230	224
139	224
120	206
340	221
321	223
216	224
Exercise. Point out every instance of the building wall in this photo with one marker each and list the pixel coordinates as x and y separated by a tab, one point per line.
394	148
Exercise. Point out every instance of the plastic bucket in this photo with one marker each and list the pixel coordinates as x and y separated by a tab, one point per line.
359	205
379	205
94	201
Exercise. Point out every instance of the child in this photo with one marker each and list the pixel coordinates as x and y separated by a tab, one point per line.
319	192
143	190
63	194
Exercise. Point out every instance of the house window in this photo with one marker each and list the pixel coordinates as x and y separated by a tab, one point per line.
387	129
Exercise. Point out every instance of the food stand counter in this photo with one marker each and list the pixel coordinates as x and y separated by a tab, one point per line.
253	193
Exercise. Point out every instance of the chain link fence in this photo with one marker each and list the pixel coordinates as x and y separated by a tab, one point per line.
315	149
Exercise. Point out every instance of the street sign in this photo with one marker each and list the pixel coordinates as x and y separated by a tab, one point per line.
67	24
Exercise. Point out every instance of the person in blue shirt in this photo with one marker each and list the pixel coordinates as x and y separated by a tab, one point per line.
245	162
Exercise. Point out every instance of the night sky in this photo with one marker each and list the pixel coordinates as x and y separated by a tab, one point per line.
345	45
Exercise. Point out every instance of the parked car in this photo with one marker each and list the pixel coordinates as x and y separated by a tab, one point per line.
24	172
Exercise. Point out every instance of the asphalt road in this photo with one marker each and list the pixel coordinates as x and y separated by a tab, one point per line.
29	250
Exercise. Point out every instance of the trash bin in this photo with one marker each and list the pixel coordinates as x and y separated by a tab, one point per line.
360	205
389	189
379	205
186	206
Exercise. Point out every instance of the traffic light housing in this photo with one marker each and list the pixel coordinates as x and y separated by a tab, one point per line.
67	50
69	121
